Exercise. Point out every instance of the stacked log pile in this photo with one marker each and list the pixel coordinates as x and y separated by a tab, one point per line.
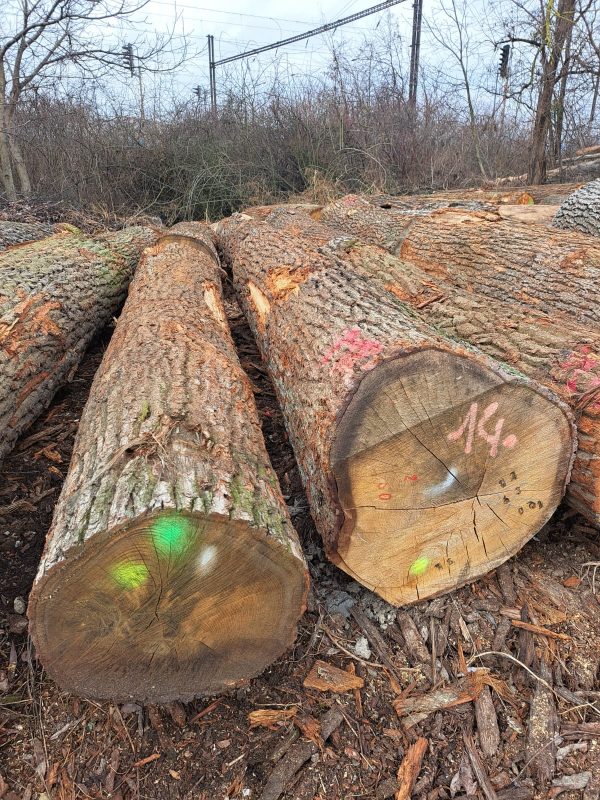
432	359
171	569
55	295
424	462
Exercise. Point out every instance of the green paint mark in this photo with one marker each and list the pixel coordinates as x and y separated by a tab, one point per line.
419	566
171	535
130	575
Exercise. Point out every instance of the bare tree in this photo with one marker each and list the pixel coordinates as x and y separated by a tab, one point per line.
42	40
454	38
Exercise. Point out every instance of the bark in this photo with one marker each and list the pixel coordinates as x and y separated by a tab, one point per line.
563	357
13	233
54	296
581	210
381	411
171	569
541	269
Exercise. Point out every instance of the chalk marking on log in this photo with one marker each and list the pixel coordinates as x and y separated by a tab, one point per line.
206	559
442	485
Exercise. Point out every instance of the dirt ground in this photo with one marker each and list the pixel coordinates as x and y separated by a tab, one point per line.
500	678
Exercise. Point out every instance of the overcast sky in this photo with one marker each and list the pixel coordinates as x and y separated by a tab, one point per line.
240	25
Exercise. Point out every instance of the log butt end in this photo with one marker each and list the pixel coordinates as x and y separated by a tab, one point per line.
169	608
444	469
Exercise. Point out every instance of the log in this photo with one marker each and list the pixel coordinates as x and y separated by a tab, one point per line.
171	568
581	210
55	295
425	463
564	359
542	269
13	233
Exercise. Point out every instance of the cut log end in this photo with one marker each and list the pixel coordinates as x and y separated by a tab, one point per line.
171	607
445	469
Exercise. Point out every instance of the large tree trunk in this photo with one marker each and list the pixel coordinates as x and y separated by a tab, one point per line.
54	296
171	569
565	359
581	210
541	269
425	464
551	54
13	233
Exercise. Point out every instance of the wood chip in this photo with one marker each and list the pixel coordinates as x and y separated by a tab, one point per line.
298	755
311	729
271	718
409	769
143	761
326	678
529	626
487	723
414	708
479	768
540	749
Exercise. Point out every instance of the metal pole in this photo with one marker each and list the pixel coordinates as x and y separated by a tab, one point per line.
414	52
212	73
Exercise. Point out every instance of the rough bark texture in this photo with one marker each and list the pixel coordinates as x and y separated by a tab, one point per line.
171	568
541	269
565	359
13	233
374	400
581	210
54	296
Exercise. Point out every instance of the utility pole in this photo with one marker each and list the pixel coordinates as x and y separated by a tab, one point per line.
212	73
414	52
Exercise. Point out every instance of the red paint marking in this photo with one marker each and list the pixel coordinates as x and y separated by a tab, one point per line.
382	485
411	478
510	441
385	496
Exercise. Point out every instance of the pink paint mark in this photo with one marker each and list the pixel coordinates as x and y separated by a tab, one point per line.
582	368
349	349
493	439
385	496
382	485
470	422
471	425
411	478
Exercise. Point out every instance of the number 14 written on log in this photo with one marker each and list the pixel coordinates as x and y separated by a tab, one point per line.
473	425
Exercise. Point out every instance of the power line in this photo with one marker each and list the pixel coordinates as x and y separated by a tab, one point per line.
315	32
